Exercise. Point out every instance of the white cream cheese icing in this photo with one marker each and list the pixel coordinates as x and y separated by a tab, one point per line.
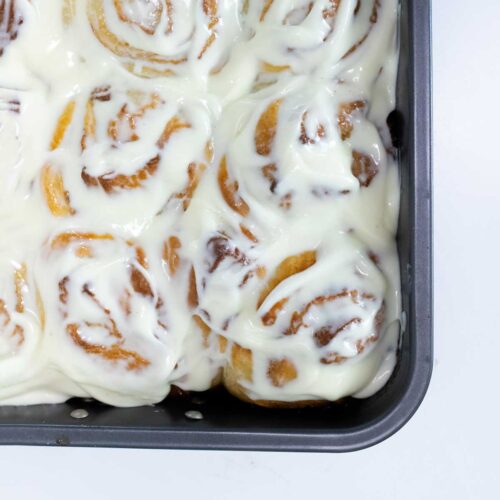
160	160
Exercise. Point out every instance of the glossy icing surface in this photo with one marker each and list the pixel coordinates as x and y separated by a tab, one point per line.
192	190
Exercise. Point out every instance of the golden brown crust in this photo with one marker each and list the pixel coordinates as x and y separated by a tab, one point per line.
62	125
288	267
171	255
229	190
265	131
364	168
280	371
344	118
242	362
56	196
231	383
112	184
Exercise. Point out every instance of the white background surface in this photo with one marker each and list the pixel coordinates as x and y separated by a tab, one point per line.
448	450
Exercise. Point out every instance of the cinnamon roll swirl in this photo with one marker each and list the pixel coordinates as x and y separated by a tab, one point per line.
161	38
151	130
108	317
319	308
305	37
282	149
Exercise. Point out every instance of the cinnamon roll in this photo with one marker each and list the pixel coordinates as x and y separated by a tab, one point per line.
100	130
107	316
305	37
281	151
161	38
291	329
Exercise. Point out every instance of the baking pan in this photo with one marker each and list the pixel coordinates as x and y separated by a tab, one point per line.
346	426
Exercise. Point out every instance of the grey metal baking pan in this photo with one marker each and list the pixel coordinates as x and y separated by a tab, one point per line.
346	426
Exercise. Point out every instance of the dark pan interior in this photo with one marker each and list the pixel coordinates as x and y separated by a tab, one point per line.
346	425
